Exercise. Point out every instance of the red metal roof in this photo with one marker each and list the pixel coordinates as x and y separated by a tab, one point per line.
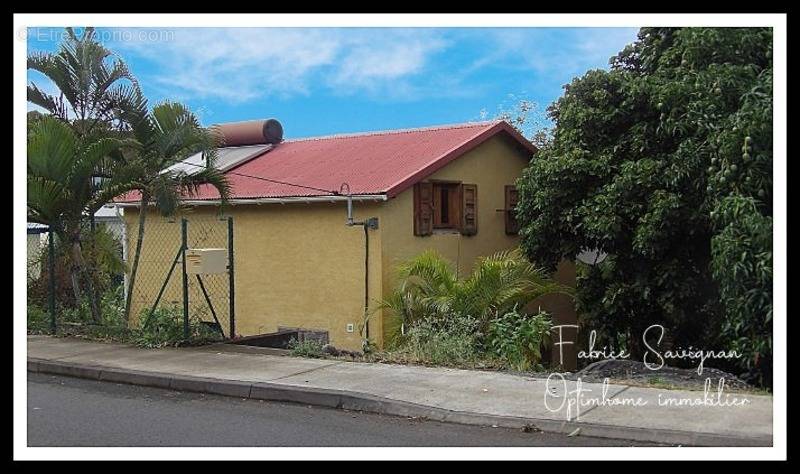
385	162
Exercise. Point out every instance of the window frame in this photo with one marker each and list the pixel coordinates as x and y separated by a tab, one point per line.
511	220
454	205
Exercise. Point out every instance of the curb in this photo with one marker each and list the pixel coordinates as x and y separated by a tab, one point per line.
356	401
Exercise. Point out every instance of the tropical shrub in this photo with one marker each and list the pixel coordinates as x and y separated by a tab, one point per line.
441	319
100	247
74	149
428	288
451	341
61	174
517	338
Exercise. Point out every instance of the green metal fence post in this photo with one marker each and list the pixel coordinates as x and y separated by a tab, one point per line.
51	264
184	239
166	282
232	292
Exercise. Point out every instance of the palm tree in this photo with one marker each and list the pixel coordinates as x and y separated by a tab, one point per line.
92	91
169	134
429	288
60	188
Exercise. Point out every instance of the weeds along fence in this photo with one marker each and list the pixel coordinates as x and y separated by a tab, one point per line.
102	250
48	280
165	280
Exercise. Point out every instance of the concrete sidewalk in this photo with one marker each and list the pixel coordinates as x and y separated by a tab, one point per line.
461	396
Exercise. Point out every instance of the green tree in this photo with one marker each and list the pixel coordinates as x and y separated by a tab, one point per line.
664	162
168	134
60	188
93	88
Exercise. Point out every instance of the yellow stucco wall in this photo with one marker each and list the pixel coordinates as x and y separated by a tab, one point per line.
162	240
491	166
296	265
299	265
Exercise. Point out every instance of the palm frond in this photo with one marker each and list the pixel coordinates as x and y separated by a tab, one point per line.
428	288
51	146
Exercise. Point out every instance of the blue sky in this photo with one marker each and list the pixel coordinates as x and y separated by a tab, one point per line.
320	81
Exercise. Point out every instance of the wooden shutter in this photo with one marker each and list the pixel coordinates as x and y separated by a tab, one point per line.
423	209
512	225
469	213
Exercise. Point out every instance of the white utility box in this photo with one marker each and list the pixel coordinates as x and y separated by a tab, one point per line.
206	261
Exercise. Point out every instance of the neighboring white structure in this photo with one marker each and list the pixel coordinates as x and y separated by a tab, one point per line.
37	238
111	217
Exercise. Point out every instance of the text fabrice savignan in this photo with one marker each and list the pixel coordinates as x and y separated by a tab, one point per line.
653	358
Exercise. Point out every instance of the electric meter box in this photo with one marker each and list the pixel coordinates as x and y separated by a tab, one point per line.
206	261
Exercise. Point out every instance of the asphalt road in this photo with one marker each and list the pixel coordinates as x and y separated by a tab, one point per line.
65	411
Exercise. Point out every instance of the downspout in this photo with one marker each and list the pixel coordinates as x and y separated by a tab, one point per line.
371	223
366	281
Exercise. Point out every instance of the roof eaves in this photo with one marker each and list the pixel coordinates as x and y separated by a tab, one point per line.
457	151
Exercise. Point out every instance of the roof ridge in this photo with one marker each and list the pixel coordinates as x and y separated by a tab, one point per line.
397	131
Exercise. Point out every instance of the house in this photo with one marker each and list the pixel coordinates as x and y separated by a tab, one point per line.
297	263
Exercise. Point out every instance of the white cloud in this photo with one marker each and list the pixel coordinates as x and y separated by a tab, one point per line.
240	64
553	52
374	58
237	65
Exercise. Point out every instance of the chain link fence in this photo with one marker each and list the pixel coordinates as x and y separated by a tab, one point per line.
42	289
160	273
108	252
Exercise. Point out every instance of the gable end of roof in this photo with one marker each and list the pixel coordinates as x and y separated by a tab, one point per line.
453	154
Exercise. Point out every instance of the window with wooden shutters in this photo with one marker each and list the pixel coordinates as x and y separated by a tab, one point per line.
445	206
423	209
469	210
512	225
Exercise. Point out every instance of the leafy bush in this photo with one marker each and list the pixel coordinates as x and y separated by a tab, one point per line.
102	249
742	263
446	321
428	288
112	307
164	327
517	338
441	341
38	319
306	348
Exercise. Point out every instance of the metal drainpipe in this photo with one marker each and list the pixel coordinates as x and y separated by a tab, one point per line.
371	223
366	281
